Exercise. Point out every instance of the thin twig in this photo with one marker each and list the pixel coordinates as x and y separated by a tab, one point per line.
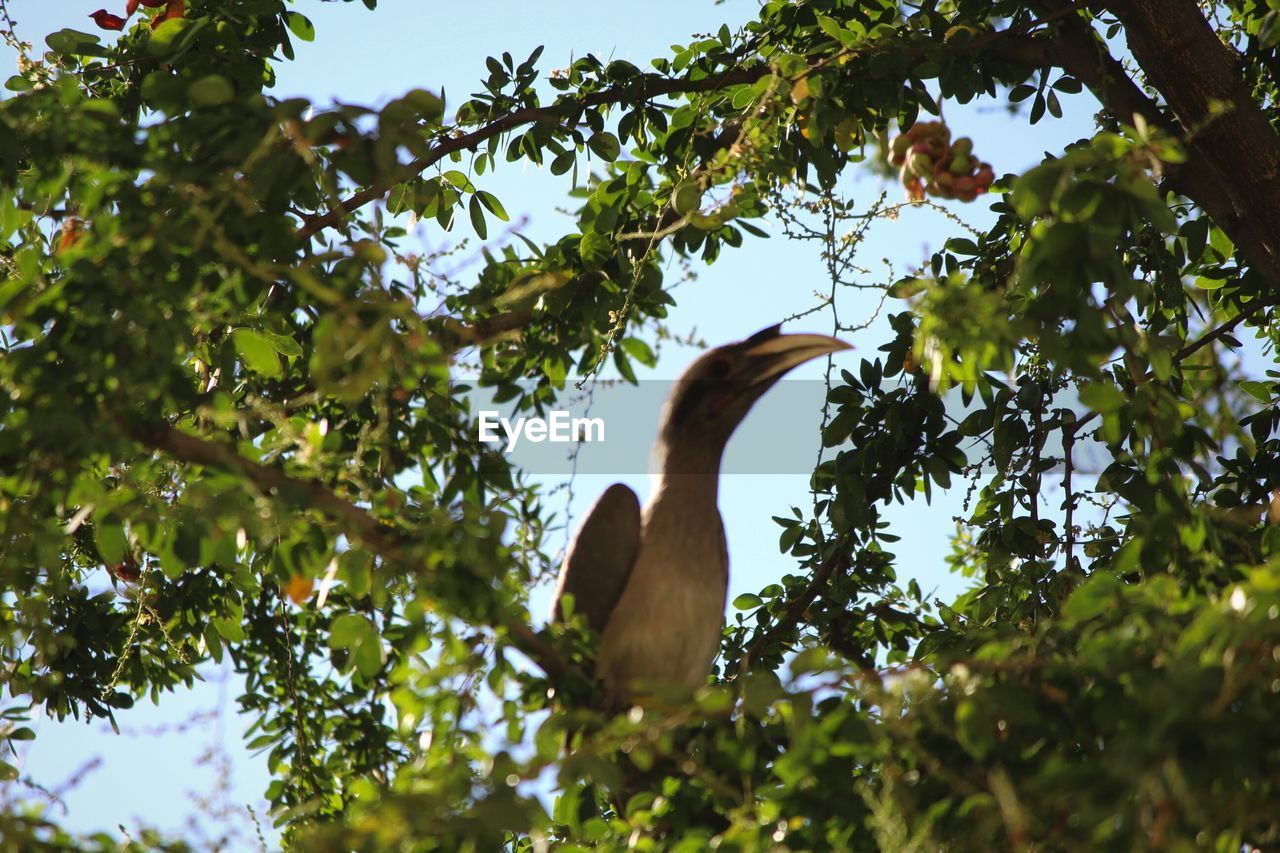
1068	468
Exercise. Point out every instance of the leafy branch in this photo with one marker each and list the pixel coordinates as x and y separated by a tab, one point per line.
357	522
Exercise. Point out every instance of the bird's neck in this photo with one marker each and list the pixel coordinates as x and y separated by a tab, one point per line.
688	478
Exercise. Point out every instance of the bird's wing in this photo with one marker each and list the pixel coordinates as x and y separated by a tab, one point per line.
600	557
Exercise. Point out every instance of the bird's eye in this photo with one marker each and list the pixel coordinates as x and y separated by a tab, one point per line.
718	369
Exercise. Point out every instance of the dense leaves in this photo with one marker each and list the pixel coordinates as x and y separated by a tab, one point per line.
229	430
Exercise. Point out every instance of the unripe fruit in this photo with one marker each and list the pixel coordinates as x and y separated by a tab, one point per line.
962	146
898	150
920	164
961	165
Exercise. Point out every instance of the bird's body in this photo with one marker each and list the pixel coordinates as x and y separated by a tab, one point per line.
665	628
653	582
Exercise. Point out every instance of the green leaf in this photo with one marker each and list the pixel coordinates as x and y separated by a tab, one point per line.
1260	391
1051	101
476	210
112	543
256	352
167	37
623	364
459	180
1221	243
491	204
563	162
1095	596
210	91
747	601
1021	92
1268	31
348	630
369	656
1034	190
555	369
230	629
1068	85
973	729
596	250
639	350
1102	397
686	198
74	43
605	145
427	104
1161	360
284	344
1080	201
1037	109
300	26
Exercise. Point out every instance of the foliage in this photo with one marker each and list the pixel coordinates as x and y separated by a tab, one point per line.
227	384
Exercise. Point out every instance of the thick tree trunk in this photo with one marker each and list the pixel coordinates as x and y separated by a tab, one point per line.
1199	78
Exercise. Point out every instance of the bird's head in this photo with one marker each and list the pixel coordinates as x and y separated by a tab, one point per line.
715	393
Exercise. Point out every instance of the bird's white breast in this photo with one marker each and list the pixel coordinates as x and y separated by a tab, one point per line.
666	628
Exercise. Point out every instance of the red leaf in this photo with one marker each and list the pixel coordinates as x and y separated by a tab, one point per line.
72	227
153	4
130	8
107	21
175	9
127	571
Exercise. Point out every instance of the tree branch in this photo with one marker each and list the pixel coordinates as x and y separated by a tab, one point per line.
649	86
1181	355
1249	215
487	329
358	523
1199	77
794	611
1069	504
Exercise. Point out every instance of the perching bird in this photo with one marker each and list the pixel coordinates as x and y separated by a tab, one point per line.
652	582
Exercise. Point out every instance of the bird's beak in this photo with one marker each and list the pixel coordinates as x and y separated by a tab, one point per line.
771	358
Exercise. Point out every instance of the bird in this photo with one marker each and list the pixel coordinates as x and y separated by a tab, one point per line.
652	581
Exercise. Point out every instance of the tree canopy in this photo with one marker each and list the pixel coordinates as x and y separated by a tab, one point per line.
228	385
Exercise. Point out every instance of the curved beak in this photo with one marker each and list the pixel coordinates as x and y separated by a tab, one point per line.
768	359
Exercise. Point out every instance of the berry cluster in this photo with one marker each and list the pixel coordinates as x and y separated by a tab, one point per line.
931	163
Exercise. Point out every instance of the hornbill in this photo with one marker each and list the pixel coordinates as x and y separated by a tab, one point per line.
652	582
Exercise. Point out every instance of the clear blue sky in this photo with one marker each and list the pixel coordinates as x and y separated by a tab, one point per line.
368	57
